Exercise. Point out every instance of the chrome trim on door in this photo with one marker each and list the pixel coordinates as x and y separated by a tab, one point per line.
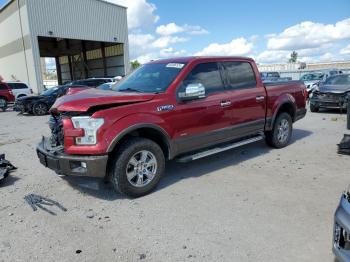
225	103
260	98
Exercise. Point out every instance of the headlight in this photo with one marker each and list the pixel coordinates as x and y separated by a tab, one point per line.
90	127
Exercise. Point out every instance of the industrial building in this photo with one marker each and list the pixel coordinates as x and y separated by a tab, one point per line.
87	38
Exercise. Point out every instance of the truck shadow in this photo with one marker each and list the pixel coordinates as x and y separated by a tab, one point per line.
177	171
95	187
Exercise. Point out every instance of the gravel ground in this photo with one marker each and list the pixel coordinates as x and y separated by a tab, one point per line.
248	204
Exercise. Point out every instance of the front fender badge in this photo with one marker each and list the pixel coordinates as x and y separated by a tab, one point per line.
165	108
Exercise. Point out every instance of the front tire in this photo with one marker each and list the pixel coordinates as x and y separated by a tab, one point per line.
314	108
137	167
3	104
280	136
40	109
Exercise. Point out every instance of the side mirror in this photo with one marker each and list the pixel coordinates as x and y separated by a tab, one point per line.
192	92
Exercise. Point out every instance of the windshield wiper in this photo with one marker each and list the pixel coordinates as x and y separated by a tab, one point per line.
130	89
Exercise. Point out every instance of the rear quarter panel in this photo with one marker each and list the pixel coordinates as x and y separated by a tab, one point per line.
280	93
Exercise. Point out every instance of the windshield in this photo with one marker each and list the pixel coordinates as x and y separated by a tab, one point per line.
338	80
150	78
50	91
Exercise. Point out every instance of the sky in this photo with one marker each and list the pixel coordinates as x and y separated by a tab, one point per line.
266	30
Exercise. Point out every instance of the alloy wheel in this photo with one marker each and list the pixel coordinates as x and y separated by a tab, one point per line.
283	131
141	168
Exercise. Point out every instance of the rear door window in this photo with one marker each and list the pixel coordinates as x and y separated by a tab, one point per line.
240	75
3	87
207	74
17	86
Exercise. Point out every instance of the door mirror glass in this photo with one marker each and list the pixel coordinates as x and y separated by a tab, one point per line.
192	92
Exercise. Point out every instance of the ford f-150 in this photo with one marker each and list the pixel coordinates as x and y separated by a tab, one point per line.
178	108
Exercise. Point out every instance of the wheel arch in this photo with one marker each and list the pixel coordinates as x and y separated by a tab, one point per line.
286	104
149	131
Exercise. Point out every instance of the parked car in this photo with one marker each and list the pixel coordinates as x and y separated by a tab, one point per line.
20	89
312	80
92	82
270	76
6	96
106	86
341	234
179	108
331	94
89	83
40	105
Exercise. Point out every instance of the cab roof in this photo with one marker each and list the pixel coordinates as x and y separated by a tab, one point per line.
188	59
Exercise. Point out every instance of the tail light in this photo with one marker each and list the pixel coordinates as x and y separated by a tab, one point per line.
10	91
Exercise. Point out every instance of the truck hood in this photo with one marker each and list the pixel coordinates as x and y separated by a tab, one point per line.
335	89
87	99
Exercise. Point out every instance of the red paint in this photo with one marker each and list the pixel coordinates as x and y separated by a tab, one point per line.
7	93
186	119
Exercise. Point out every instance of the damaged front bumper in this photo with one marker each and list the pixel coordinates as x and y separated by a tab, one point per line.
23	108
73	165
330	101
341	239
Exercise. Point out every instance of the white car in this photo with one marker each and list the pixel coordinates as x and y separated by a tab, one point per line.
20	89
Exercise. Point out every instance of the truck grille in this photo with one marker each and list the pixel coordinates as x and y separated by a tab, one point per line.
56	126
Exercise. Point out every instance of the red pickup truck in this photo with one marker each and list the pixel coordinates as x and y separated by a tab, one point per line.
6	96
179	108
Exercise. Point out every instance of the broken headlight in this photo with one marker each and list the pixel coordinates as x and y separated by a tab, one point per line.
90	127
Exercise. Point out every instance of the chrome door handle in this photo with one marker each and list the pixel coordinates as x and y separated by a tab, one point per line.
260	98
225	103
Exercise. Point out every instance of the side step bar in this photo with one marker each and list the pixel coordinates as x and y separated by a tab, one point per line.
216	150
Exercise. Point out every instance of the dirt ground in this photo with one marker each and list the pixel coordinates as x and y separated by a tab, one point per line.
249	204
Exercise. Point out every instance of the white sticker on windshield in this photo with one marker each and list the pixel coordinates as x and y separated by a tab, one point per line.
175	65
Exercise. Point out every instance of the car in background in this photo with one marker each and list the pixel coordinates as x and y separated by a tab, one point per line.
40	105
6	96
92	82
331	94
341	233
270	76
312	80
106	86
20	89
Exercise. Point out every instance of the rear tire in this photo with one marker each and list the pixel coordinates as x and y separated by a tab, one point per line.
137	167
281	133
3	104
40	109
314	108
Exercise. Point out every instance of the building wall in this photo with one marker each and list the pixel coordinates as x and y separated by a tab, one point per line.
93	20
16	56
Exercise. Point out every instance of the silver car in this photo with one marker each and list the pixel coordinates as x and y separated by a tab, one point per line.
341	238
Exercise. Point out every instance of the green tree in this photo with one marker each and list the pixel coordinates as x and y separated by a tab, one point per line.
293	57
135	64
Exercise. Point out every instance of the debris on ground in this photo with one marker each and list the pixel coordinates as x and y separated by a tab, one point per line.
142	256
5	167
344	145
36	201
